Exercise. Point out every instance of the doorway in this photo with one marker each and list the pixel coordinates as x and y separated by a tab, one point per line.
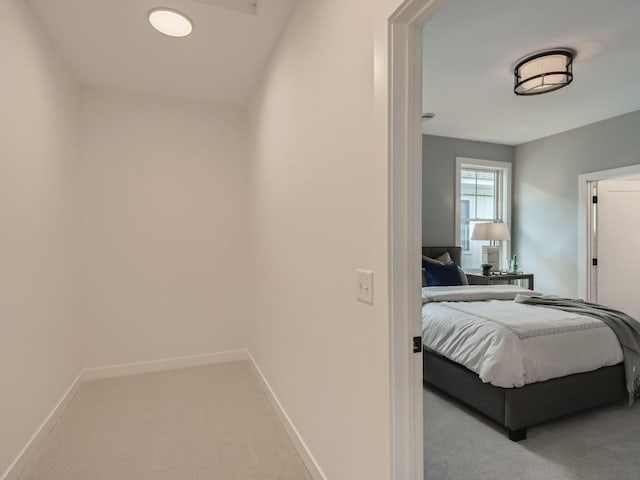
606	250
617	228
613	223
405	238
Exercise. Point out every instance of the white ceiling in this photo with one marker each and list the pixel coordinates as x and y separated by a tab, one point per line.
470	49
110	44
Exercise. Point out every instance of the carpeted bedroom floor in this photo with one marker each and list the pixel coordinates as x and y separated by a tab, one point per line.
597	445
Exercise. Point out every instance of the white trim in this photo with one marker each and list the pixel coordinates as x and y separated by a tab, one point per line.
584	210
122	370
489	164
17	467
97	373
405	233
508	199
301	447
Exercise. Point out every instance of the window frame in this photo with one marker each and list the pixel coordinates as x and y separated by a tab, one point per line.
459	243
504	193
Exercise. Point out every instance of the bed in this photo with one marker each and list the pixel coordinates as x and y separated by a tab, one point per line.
519	407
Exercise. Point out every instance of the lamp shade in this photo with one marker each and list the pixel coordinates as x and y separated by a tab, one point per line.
490	231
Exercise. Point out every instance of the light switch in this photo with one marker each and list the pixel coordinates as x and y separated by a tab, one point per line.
365	286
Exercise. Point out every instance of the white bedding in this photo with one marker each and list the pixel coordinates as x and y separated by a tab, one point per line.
511	344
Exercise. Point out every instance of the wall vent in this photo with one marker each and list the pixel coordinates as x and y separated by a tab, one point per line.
244	6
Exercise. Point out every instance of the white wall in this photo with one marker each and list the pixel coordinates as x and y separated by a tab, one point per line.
39	226
164	229
319	211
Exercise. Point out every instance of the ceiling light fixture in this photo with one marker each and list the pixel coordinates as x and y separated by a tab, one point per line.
544	72
170	22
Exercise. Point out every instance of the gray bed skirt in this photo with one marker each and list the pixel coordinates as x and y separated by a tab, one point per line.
519	408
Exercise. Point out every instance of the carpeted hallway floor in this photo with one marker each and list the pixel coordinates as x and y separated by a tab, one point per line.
211	422
602	444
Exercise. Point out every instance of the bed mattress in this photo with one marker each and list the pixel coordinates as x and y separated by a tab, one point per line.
511	344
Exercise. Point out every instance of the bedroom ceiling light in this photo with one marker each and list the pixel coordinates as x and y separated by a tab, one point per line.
170	22
544	72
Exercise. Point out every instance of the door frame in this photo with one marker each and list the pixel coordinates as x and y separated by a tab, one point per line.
405	233
585	203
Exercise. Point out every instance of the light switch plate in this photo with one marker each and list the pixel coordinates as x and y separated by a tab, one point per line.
364	286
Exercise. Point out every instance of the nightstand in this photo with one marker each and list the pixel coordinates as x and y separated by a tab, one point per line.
503	278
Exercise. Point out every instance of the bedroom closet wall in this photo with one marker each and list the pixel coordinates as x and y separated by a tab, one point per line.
164	228
319	169
39	225
149	222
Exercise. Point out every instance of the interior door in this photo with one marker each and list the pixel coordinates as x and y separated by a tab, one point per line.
618	245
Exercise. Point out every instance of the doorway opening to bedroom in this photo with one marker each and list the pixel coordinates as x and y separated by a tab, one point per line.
475	405
405	205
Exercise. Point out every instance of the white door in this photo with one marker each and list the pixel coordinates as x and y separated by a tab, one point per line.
618	246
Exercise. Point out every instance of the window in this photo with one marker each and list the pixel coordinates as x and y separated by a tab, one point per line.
482	195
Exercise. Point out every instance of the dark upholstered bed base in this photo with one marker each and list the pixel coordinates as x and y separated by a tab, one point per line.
519	408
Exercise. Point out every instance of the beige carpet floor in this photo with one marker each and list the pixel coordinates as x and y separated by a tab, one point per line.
211	422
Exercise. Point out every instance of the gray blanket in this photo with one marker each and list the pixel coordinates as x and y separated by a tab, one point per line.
627	330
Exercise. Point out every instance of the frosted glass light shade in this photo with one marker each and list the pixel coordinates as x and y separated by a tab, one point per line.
170	22
491	231
544	72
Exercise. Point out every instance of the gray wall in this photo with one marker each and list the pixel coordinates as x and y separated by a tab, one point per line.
546	202
438	181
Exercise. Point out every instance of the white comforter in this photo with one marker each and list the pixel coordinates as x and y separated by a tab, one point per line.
510	344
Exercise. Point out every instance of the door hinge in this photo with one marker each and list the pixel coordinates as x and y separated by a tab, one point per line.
417	344
594	199
594	262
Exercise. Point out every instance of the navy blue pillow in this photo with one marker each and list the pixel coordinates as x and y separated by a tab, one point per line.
442	275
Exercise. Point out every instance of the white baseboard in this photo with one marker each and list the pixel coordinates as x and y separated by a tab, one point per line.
28	452
17	467
123	370
305	454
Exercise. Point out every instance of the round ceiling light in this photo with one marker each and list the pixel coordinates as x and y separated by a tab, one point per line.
544	72
170	22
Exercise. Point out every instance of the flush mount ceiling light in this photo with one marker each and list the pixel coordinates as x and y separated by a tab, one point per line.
170	22
544	72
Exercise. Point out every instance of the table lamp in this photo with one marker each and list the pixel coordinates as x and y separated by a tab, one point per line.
494	232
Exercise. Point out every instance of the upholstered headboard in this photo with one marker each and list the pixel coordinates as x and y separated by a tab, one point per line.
434	252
